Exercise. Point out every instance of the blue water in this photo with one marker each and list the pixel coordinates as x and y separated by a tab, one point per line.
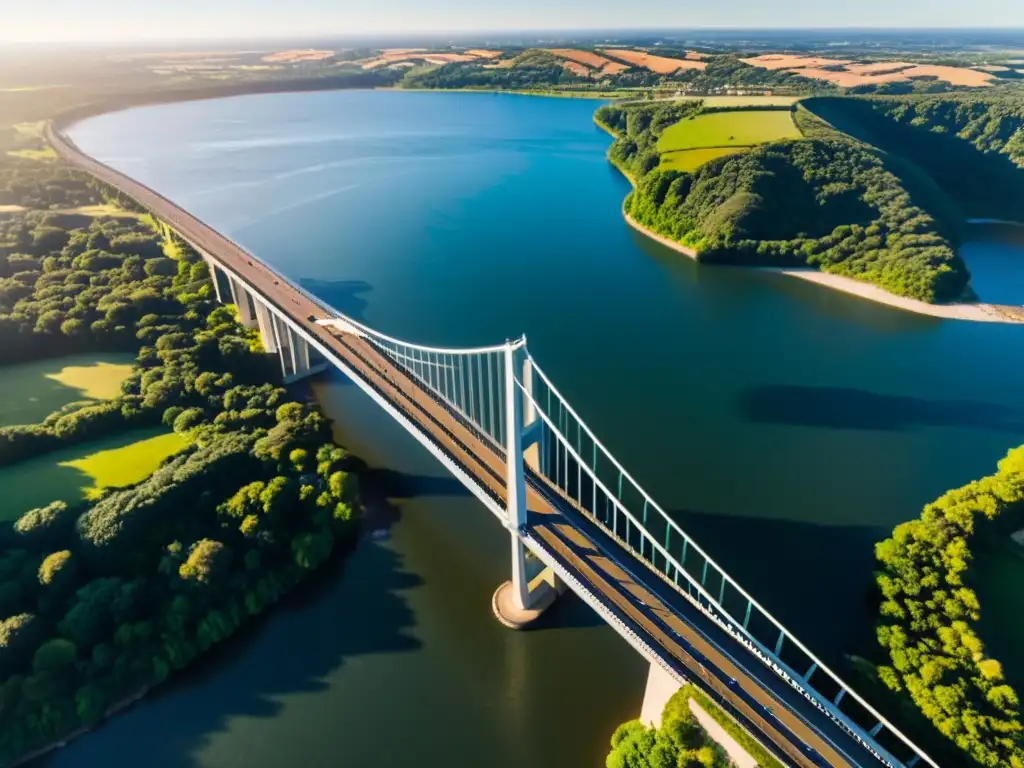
787	426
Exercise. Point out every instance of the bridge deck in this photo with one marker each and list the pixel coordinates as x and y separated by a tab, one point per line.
680	635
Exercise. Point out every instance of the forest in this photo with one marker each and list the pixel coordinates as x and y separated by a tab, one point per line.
822	202
928	613
972	146
104	598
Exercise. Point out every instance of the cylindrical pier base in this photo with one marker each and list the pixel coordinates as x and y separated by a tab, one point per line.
507	611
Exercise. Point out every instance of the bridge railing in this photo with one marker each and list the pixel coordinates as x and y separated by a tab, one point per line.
573	459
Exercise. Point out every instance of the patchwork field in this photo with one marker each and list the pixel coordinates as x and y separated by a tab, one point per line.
660	64
74	473
728	129
599	64
390	57
691	159
847	74
32	391
291	57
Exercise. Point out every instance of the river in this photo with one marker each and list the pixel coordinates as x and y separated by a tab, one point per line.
788	427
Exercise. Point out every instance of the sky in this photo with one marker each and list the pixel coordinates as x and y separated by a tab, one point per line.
128	20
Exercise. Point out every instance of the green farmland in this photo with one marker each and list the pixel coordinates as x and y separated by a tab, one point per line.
729	129
691	159
691	142
72	474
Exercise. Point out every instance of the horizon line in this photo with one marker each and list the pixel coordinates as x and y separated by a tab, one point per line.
497	33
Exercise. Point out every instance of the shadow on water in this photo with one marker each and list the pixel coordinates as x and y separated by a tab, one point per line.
343	295
848	408
820	565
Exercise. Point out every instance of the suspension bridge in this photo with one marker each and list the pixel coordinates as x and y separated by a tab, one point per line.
576	519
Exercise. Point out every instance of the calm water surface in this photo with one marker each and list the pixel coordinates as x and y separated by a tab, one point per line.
786	426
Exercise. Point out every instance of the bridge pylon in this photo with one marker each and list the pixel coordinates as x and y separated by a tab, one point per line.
533	587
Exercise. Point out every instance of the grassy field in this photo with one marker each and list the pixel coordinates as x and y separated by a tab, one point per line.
46	153
691	159
32	391
728	129
74	473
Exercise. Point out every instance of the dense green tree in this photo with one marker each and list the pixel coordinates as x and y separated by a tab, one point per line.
43	527
58	571
928	615
19	636
207	564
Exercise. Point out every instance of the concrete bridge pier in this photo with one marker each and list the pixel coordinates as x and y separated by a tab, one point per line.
242	299
533	587
265	322
661	686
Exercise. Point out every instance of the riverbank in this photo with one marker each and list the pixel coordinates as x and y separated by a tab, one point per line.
661	240
979	313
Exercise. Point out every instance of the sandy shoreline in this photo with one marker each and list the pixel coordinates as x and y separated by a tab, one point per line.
677	247
978	313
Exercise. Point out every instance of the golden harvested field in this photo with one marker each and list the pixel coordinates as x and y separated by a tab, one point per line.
785	61
583	57
613	68
443	58
878	67
954	75
848	79
482	53
660	64
852	75
291	57
577	69
394	57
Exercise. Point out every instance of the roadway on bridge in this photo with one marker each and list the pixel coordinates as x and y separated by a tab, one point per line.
683	637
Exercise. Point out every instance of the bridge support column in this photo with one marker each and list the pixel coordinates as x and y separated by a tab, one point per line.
242	300
282	340
297	358
532	588
265	321
300	354
211	265
660	688
219	278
